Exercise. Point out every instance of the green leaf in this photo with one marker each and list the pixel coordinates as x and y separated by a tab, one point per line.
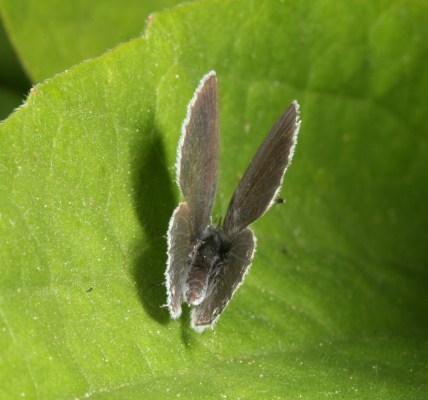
50	38
335	304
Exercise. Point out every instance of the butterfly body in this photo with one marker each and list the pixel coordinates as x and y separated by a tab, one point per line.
208	252
207	263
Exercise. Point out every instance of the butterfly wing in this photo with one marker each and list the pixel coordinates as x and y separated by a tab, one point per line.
226	280
263	177
179	248
197	170
197	158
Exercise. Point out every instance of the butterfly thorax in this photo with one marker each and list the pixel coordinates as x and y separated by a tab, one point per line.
208	252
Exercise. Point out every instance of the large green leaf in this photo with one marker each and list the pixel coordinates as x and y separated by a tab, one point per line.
335	304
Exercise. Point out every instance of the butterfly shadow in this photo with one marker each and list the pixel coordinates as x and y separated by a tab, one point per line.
154	201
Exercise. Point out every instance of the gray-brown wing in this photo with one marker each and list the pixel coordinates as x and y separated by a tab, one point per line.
263	177
179	248
226	281
197	158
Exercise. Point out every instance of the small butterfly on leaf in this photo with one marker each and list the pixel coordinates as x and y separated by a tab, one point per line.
207	263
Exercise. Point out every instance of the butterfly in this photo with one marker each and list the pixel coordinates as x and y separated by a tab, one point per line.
207	263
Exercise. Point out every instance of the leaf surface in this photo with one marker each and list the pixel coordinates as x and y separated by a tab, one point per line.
335	304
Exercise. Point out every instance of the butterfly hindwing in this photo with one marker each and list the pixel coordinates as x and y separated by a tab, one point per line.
178	265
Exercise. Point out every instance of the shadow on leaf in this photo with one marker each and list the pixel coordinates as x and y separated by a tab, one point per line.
154	201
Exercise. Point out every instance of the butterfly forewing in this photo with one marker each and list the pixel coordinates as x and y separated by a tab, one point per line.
179	248
262	180
225	280
197	161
